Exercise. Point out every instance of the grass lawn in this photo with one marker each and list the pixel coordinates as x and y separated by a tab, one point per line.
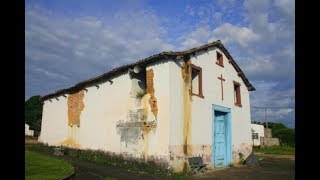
283	150
39	166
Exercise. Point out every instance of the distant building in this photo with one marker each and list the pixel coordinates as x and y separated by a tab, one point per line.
257	132
262	136
27	130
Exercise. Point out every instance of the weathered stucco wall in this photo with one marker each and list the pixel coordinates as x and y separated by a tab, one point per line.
241	120
105	104
267	142
257	128
54	125
267	132
104	116
201	123
176	107
159	136
165	124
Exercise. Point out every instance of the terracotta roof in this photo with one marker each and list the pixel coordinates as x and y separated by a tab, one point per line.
173	55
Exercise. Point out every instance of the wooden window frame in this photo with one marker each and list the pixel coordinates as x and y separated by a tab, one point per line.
199	80
219	60
237	97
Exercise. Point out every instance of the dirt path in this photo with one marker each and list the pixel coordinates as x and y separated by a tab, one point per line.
271	167
291	157
90	170
31	140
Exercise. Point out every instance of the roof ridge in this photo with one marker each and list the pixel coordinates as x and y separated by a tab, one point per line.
149	59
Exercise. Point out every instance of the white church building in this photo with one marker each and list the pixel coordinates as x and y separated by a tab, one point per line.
163	108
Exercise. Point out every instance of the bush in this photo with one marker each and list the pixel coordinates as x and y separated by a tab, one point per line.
33	112
286	136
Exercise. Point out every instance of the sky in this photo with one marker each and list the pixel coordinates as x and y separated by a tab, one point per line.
70	41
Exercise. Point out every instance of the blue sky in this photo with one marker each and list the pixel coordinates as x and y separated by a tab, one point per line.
70	41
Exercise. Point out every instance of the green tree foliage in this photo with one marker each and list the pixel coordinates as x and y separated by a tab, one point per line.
286	135
276	126
33	112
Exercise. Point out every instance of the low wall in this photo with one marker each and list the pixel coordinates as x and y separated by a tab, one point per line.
29	133
266	142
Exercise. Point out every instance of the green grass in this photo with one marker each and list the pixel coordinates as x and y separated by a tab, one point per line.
282	150
39	166
110	178
179	176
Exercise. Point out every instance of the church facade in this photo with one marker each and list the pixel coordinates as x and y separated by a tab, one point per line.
164	108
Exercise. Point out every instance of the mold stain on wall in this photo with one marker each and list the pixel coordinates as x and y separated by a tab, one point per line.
145	138
129	130
178	159
136	129
75	107
150	90
145	130
71	143
244	149
134	132
145	107
186	78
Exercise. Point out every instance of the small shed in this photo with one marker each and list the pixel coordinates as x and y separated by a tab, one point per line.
27	130
257	131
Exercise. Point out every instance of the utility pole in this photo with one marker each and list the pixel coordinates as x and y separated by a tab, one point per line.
265	113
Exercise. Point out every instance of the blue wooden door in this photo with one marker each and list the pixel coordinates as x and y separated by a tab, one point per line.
220	150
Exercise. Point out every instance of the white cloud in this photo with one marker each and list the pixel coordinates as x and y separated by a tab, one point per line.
226	5
68	50
50	74
264	48
217	16
195	38
189	10
229	34
286	6
262	45
257	6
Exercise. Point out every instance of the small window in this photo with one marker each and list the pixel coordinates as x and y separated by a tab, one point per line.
196	80
219	59
237	94
254	135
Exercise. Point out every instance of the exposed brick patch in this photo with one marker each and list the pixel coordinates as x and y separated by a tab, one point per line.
75	106
149	80
150	90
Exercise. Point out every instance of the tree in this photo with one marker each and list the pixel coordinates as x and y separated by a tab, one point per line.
33	112
286	135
